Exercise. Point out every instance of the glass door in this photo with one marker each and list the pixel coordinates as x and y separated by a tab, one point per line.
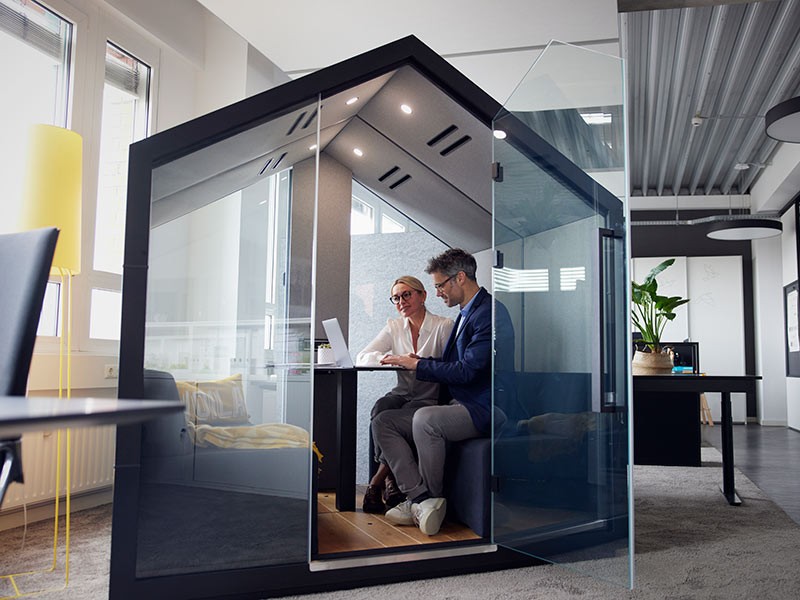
561	458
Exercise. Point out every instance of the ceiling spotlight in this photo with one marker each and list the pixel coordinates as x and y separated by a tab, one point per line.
499	134
406	109
358	152
697	120
352	100
312	147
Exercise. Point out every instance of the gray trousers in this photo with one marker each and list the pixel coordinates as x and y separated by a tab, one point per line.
396	432
394	402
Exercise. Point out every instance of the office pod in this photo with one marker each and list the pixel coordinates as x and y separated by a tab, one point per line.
249	226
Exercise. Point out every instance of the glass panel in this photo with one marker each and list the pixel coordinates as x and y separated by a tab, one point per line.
228	317
370	285
562	456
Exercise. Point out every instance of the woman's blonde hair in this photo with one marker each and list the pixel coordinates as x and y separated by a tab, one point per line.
410	281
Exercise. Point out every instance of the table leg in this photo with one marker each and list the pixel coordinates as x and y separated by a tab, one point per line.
347	390
728	486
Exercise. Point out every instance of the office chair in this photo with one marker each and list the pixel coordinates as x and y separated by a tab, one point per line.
25	260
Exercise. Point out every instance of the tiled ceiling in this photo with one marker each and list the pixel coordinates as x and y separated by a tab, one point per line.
722	65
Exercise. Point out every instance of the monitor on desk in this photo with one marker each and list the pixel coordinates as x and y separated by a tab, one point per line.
336	339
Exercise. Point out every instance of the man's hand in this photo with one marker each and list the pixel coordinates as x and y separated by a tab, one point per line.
407	361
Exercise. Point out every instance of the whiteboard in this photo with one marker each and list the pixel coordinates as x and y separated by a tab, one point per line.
716	320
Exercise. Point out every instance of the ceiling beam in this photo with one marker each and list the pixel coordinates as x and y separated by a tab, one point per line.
638	5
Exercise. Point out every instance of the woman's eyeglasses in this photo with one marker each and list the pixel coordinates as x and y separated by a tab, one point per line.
397	297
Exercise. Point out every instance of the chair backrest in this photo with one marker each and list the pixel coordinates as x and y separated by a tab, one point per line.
25	260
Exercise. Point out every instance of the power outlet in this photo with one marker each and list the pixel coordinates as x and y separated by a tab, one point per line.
111	372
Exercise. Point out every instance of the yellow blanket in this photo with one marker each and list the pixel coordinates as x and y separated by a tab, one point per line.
252	437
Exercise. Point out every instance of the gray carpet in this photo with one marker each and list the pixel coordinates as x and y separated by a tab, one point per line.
689	544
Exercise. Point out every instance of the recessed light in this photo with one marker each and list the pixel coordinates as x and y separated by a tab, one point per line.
406	109
499	134
358	152
312	147
596	118
352	100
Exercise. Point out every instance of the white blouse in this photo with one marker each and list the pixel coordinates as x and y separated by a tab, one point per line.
395	338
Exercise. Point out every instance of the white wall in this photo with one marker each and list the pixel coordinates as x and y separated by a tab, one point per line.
770	358
789	255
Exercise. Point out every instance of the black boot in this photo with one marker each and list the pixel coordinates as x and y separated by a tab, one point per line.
373	503
391	493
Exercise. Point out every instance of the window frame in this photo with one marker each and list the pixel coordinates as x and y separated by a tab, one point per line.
93	27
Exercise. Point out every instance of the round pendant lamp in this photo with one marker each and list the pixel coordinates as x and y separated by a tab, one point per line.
733	229
783	121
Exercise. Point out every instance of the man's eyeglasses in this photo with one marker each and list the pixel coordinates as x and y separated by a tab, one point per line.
397	297
439	286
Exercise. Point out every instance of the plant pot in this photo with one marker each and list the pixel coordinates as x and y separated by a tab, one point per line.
648	363
325	356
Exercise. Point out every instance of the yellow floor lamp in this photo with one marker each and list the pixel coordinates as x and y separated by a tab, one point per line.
53	199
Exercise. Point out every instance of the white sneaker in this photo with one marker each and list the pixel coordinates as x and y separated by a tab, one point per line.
401	514
429	515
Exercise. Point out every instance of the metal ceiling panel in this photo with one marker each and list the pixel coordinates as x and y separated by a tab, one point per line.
723	67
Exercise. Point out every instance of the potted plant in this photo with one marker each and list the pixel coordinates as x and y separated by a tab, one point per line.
650	313
325	355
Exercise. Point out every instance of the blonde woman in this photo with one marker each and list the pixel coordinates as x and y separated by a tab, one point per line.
416	331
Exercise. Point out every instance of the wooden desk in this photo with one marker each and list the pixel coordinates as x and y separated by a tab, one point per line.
697	384
339	470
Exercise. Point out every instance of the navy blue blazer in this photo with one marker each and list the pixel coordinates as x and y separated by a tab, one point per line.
466	365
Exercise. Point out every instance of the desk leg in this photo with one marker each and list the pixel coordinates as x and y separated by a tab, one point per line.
346	440
728	486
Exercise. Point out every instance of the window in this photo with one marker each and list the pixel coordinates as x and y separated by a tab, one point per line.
41	43
125	115
362	218
371	214
570	276
124	121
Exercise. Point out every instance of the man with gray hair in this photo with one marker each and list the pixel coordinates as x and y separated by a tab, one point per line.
465	374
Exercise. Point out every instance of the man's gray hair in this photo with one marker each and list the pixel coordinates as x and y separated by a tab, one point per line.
451	262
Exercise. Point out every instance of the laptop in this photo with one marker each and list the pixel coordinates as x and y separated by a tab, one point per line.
336	339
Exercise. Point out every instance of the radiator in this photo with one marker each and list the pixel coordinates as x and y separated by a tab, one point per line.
92	464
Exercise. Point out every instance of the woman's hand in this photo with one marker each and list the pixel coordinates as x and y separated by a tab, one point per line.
406	361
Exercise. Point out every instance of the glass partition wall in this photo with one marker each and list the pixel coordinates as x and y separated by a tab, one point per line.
561	459
229	319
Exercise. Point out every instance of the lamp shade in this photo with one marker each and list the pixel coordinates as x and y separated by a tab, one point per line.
744	229
783	121
53	190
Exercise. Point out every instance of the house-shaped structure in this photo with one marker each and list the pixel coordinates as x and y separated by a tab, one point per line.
238	243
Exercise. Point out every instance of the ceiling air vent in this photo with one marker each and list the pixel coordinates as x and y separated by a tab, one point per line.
296	123
389	173
277	162
310	119
400	181
274	164
455	145
440	136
